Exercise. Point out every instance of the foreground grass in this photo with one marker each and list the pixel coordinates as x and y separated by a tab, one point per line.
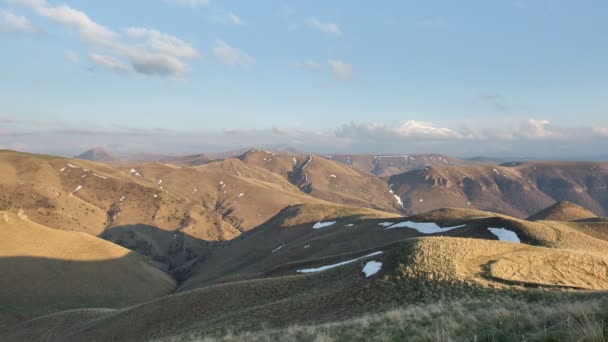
496	320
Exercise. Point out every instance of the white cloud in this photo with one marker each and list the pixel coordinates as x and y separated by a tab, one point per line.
12	22
108	62
235	19
72	57
328	28
189	3
600	131
538	129
148	51
229	55
158	42
403	129
340	70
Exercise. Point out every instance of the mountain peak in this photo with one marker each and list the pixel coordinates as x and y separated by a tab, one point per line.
97	154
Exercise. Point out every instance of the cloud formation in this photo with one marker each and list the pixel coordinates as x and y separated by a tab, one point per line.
329	28
108	62
529	138
232	56
404	129
144	50
10	21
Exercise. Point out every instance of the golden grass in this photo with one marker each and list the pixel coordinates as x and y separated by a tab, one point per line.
45	270
568	320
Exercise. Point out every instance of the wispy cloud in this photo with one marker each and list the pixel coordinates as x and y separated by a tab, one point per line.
146	50
329	28
341	70
108	62
232	56
10	21
235	19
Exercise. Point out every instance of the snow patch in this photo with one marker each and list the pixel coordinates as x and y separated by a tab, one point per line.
276	249
135	173
102	177
371	268
62	169
320	224
241	195
122	198
160	181
77	188
328	267
504	234
349	225
332	176
424	227
307	246
385	224
73	166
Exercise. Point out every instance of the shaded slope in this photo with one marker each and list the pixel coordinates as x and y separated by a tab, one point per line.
516	189
99	154
46	270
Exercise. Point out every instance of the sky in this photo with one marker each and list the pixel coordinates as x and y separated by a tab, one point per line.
517	78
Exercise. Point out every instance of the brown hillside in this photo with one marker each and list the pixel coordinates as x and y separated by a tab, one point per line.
563	211
516	189
45	270
326	179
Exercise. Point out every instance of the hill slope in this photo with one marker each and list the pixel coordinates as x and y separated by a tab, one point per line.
45	270
99	154
517	189
563	211
326	179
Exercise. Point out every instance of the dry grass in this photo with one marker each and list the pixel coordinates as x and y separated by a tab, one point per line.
563	211
498	320
46	270
501	264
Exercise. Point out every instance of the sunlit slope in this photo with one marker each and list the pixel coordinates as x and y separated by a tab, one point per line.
327	179
45	270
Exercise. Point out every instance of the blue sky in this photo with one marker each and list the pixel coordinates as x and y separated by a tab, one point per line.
467	77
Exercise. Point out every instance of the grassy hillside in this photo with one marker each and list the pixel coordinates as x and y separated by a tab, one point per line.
46	270
326	179
171	214
563	211
415	272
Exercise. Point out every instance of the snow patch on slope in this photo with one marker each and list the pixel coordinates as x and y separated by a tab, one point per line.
505	235
424	227
371	268
328	267
320	224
